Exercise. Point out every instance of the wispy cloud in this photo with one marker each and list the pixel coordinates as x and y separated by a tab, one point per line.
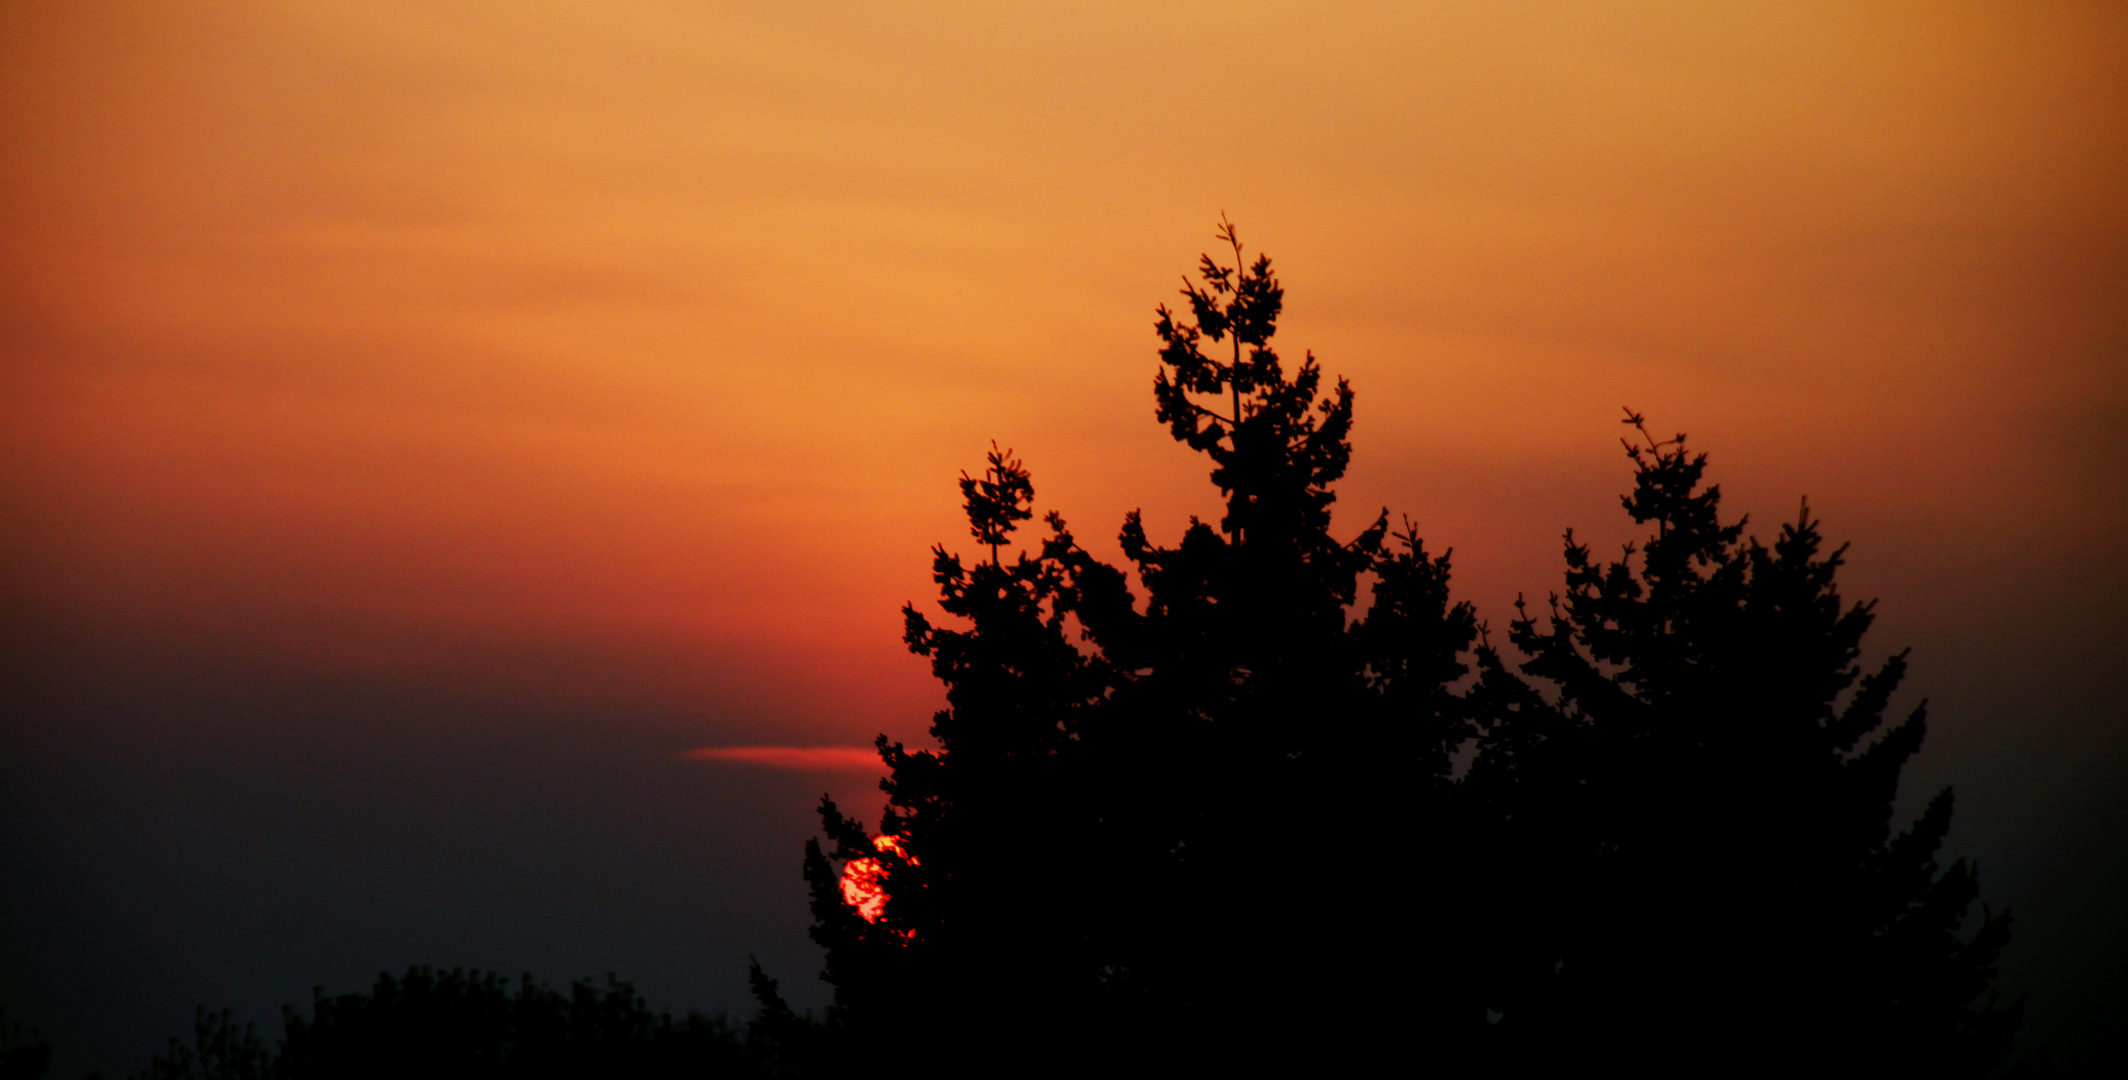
793	757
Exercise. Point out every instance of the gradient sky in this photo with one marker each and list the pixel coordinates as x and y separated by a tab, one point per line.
424	423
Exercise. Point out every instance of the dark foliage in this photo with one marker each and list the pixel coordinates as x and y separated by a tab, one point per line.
24	1054
1204	810
474	1024
1693	858
220	1050
1176	824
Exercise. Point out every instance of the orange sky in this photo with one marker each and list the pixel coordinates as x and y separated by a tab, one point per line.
642	342
451	369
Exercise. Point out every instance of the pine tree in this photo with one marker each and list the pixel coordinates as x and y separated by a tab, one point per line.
1157	827
1284	764
1691	850
975	942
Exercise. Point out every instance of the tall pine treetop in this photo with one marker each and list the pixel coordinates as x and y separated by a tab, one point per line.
1276	443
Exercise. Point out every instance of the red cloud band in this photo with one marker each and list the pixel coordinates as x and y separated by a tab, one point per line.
794	757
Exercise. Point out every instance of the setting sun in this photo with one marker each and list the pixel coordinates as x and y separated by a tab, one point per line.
864	881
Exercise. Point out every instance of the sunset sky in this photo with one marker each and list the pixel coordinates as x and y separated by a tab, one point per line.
425	424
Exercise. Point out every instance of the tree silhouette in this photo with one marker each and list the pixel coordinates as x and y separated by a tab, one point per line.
1691	857
1158	827
978	943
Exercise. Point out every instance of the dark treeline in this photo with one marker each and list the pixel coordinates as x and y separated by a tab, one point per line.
1266	801
462	1024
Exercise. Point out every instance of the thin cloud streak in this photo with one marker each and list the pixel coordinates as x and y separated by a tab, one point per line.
802	758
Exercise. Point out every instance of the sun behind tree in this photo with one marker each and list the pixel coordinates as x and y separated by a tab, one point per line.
1114	767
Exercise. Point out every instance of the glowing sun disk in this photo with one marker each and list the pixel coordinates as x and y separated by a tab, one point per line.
864	881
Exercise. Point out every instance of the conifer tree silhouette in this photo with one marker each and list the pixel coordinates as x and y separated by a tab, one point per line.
1154	827
1202	810
978	943
1692	860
